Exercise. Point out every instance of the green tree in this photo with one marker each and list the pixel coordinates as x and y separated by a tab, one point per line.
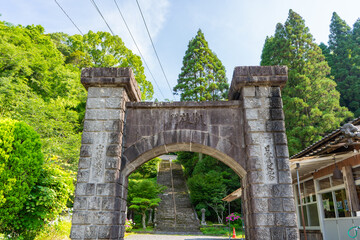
202	76
143	195
311	101
339	58
102	49
147	170
142	205
207	190
342	54
37	87
351	86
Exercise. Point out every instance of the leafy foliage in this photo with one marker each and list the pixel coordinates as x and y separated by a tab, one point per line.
209	181
21	160
343	56
102	49
37	87
202	76
147	170
143	195
311	102
31	193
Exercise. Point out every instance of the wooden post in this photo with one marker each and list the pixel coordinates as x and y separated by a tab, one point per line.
350	187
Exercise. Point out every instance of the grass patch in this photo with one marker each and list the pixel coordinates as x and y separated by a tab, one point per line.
221	230
57	231
148	229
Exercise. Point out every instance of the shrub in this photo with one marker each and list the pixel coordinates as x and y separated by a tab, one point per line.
129	224
31	193
21	161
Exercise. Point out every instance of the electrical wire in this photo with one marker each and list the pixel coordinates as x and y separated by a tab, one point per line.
95	5
69	17
152	43
102	16
138	48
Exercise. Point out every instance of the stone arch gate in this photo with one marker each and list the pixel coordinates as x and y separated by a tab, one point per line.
247	133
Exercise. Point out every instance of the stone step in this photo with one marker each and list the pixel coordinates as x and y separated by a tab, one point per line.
171	175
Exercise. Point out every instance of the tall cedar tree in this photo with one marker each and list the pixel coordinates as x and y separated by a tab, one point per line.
342	55
311	102
202	76
353	80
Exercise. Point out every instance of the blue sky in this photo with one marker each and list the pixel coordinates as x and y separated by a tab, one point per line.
235	29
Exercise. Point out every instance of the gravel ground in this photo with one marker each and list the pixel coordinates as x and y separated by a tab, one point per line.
171	237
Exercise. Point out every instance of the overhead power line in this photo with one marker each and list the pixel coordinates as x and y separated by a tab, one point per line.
112	32
152	43
138	49
95	5
69	17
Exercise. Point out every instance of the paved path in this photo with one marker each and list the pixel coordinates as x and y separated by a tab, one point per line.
171	237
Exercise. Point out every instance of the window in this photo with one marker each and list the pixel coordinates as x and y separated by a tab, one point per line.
328	204
334	200
342	204
308	200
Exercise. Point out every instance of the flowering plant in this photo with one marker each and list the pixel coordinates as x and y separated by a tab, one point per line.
129	224
234	219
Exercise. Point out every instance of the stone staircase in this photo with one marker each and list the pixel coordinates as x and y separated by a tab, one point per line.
175	212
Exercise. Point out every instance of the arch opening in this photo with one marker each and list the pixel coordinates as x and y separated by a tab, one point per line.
189	147
200	179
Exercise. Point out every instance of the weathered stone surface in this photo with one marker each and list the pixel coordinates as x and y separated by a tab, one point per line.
82	217
256	126
260	205
275	204
91	232
93	126
84	163
80	203
283	164
277	114
292	234
105	189
85	151
252	103
285	177
77	231
94	203
260	233
256	177
248	91
285	219
280	138
289	204
282	151
263	219
282	190
83	175
261	190
275	126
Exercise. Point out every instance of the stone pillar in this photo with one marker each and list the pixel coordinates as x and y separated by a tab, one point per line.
100	196
150	221
268	194
203	222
